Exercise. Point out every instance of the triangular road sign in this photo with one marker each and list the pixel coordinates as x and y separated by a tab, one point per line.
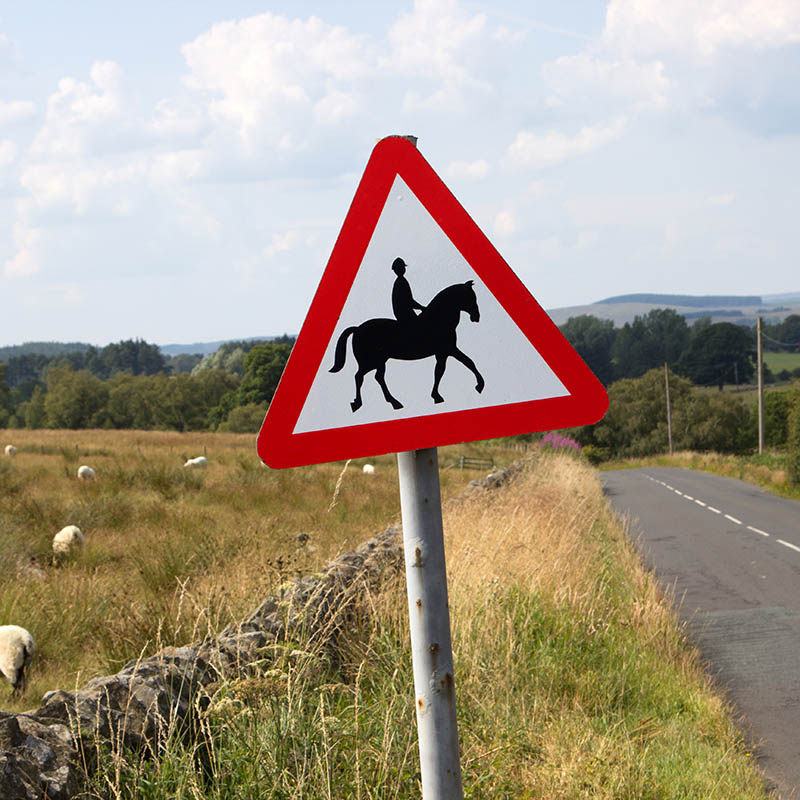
414	287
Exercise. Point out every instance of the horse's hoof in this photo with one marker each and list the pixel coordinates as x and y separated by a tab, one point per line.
355	405
479	388
397	405
437	398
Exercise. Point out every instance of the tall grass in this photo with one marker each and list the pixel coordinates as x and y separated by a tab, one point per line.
768	469
170	553
573	679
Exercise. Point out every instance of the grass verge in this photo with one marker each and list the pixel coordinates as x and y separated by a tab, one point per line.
767	470
573	679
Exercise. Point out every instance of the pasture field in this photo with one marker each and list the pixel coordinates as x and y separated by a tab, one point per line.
573	679
170	553
780	361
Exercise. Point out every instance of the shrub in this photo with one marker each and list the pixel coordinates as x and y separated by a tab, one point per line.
793	455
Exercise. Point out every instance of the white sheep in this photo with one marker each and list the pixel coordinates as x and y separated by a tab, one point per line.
11	450
200	461
86	473
67	540
16	653
368	469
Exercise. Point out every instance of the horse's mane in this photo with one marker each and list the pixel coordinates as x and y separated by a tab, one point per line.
442	297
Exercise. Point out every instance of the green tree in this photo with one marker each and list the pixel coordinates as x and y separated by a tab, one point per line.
5	398
31	413
793	443
245	419
264	366
593	340
132	355
636	421
776	419
719	353
74	399
651	341
711	423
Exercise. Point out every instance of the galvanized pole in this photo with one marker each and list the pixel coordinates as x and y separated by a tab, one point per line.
760	353
429	624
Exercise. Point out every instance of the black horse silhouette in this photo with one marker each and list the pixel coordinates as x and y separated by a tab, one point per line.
432	333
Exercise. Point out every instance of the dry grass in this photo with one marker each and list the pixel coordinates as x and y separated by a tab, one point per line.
170	553
572	677
766	470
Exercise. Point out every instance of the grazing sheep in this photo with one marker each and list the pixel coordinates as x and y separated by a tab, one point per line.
368	469
11	450
16	652
200	461
67	540
86	473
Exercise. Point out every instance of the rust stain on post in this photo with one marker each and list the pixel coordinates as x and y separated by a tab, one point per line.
417	557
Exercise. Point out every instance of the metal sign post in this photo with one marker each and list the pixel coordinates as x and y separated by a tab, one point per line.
429	624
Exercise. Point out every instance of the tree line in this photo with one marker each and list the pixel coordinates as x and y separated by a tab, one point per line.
707	353
131	384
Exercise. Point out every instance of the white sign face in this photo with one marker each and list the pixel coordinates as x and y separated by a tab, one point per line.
506	363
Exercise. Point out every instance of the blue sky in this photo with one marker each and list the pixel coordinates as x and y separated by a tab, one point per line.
179	171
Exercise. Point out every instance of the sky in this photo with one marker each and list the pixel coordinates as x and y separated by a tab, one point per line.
179	171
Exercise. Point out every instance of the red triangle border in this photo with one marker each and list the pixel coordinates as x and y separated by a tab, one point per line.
278	446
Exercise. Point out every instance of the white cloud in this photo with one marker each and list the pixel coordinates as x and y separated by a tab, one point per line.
79	115
584	81
16	111
468	170
721	200
281	243
644	27
505	223
441	44
269	78
547	149
26	260
8	152
76	189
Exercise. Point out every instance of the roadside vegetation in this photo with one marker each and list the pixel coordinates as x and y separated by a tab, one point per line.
573	678
132	385
170	553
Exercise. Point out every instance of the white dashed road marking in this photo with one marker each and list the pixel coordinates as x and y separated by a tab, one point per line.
727	516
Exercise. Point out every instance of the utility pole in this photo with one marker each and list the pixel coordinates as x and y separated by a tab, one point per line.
669	410
760	388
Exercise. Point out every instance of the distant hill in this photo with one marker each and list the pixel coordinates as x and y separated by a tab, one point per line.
51	349
42	348
206	348
689	300
739	309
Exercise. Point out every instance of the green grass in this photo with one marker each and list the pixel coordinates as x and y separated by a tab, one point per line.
767	469
780	361
573	679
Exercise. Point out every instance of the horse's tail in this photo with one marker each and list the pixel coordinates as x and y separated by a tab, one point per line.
341	349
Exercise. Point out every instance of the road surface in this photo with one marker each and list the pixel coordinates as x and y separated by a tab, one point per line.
732	553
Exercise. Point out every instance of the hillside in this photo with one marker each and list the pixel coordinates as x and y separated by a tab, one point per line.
742	310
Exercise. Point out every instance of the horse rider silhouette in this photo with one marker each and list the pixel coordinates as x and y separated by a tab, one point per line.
431	333
403	302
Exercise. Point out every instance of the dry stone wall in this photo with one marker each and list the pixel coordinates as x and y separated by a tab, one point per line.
46	752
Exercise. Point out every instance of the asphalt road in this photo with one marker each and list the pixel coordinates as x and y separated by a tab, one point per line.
731	551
